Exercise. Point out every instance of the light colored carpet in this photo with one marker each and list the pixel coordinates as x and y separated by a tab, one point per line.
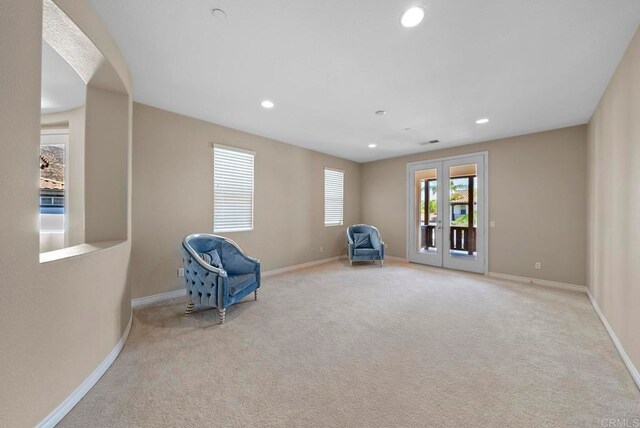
334	346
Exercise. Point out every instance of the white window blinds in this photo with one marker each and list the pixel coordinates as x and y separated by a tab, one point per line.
333	196
232	189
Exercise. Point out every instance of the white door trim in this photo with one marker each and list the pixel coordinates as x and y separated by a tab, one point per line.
478	265
418	257
485	223
446	158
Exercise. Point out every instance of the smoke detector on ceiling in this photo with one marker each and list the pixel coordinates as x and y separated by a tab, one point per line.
218	13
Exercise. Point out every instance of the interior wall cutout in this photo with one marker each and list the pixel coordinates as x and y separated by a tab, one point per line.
69	41
74	122
59	319
80	87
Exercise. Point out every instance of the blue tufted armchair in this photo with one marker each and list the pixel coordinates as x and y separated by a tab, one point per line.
217	273
365	244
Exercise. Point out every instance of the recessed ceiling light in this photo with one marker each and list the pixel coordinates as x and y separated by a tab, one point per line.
372	146
381	112
412	17
267	104
482	121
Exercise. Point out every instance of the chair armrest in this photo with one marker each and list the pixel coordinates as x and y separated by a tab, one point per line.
248	258
236	261
349	240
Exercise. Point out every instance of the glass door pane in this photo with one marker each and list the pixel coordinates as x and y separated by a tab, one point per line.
425	217
463	211
427	182
464	227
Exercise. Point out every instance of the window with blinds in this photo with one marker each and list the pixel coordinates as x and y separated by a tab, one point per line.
232	189
333	196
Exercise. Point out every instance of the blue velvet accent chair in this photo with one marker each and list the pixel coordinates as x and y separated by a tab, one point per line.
371	251
217	286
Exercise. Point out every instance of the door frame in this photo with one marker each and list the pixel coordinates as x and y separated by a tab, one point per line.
485	223
436	259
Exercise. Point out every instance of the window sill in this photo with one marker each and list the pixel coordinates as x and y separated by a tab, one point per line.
333	225
78	250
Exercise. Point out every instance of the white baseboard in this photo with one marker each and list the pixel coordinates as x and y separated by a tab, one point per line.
534	281
396	259
61	411
633	371
279	271
155	298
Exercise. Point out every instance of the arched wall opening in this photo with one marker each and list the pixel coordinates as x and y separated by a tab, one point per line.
63	316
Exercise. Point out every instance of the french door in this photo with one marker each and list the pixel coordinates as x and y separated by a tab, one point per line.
447	216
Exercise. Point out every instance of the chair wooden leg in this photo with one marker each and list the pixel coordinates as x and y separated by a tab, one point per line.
189	309
255	294
221	314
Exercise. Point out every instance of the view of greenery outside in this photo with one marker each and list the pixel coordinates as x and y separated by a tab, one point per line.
433	208
422	201
461	221
433	200
456	185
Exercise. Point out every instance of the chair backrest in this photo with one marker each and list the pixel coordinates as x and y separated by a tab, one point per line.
233	258
364	228
203	243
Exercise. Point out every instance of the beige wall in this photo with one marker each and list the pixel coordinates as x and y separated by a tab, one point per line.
58	320
74	120
107	165
537	195
614	202
172	197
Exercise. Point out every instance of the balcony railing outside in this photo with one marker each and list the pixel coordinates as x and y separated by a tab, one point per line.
461	238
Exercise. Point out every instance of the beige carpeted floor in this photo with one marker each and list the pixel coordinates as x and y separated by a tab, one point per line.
406	346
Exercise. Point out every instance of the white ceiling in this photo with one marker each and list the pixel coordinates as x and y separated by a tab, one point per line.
330	64
62	88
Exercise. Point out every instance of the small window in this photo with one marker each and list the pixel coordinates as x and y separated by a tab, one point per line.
333	197
52	218
232	189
